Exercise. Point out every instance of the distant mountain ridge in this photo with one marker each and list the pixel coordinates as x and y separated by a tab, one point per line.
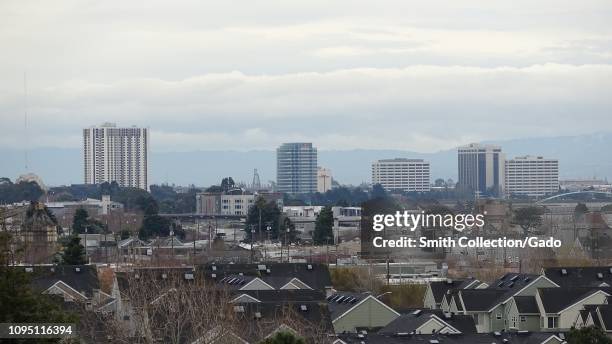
583	156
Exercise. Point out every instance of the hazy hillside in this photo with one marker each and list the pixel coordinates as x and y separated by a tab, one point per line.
580	156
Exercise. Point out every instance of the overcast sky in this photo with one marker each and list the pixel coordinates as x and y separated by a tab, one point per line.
415	75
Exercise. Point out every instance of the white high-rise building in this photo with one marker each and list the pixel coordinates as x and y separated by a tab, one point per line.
410	175
532	176
324	179
116	154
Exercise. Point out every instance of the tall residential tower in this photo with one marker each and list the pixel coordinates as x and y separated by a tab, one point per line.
296	168
116	154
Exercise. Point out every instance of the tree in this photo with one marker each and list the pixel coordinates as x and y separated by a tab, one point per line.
287	231
154	225
588	335
80	221
323	232
74	252
20	304
227	184
378	191
580	210
270	216
529	218
439	183
284	337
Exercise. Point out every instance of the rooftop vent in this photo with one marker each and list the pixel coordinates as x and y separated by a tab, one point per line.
214	268
402	334
599	275
447	315
610	270
303	308
514	278
524	332
52	269
213	275
563	272
240	274
77	269
309	266
29	269
268	270
257	315
449	281
434	341
417	312
164	276
527	279
188	276
497	333
261	267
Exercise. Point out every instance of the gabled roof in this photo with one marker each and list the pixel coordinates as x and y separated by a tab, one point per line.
591	276
341	302
81	278
604	313
555	300
277	275
439	288
477	338
407	323
526	304
480	300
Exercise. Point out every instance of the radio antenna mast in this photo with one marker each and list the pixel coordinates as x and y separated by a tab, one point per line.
25	119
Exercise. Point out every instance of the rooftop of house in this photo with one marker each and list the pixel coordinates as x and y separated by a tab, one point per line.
555	300
81	278
439	288
407	323
340	302
526	304
521	337
481	300
591	276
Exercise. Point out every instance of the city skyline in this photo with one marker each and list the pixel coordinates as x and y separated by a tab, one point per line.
217	77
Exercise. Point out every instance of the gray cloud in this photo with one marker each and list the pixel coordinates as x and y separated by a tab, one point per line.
345	74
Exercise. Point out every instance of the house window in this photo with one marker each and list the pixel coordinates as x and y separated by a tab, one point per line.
523	318
498	316
553	322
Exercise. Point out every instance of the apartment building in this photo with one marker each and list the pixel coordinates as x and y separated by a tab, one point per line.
116	154
296	168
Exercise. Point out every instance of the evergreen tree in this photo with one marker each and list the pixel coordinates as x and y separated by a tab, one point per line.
590	335
74	252
20	304
80	221
323	233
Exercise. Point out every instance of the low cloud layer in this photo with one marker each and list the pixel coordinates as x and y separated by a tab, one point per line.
342	75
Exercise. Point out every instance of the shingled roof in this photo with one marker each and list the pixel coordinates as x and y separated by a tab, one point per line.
526	304
81	278
478	338
407	323
591	276
555	300
439	288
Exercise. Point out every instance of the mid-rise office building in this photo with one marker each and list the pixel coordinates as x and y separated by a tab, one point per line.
481	169
409	175
532	176
296	168
208	203
324	179
116	154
